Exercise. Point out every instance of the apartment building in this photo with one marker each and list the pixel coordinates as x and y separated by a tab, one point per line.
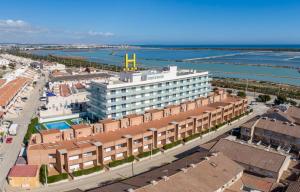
254	159
110	140
138	91
277	128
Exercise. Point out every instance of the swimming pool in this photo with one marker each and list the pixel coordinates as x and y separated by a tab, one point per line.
61	125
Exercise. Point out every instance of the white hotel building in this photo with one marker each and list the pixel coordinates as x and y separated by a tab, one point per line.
138	91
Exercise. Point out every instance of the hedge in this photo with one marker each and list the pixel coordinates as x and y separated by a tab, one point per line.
191	137
86	171
120	162
43	169
171	145
50	179
56	178
148	153
31	129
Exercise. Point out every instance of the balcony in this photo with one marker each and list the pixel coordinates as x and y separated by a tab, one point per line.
89	158
108	153
121	149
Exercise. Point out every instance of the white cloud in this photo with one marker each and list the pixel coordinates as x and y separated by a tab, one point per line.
103	34
20	30
18	26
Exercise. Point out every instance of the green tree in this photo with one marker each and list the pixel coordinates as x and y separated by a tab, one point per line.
263	98
281	99
229	91
241	94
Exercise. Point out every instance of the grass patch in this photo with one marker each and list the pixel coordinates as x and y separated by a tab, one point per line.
171	145
56	178
148	153
120	162
50	179
87	171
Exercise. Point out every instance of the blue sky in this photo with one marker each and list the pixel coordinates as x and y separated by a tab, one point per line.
150	21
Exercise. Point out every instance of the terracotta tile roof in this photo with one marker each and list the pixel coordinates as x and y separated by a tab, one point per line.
79	86
252	182
132	130
80	126
23	171
243	153
49	131
64	90
10	90
108	121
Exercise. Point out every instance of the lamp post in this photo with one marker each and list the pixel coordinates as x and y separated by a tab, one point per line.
152	130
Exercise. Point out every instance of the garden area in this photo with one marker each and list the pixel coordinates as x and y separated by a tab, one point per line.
44	178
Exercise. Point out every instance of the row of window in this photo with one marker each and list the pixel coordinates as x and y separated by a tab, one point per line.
158	85
124	98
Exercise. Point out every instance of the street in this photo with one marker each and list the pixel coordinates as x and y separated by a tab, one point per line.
142	166
12	150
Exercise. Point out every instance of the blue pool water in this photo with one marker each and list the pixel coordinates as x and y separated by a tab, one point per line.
61	125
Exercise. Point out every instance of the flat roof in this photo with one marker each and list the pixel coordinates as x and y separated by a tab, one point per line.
80	126
244	153
23	171
207	175
79	77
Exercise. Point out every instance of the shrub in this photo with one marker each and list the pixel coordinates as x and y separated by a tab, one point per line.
191	137
43	176
31	129
241	94
263	98
120	162
281	99
50	179
171	145
148	153
86	171
56	178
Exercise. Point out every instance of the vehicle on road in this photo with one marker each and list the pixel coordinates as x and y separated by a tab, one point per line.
43	98
9	140
13	129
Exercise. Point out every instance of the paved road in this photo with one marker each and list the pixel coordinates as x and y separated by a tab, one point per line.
142	166
11	151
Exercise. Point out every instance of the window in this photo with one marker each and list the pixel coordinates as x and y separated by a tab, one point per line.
113	107
159	92
159	85
113	92
181	87
123	90
181	81
174	82
143	87
113	100
123	98
123	112
113	115
123	105
167	83
159	98
133	88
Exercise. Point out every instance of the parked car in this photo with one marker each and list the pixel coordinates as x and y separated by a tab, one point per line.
9	140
